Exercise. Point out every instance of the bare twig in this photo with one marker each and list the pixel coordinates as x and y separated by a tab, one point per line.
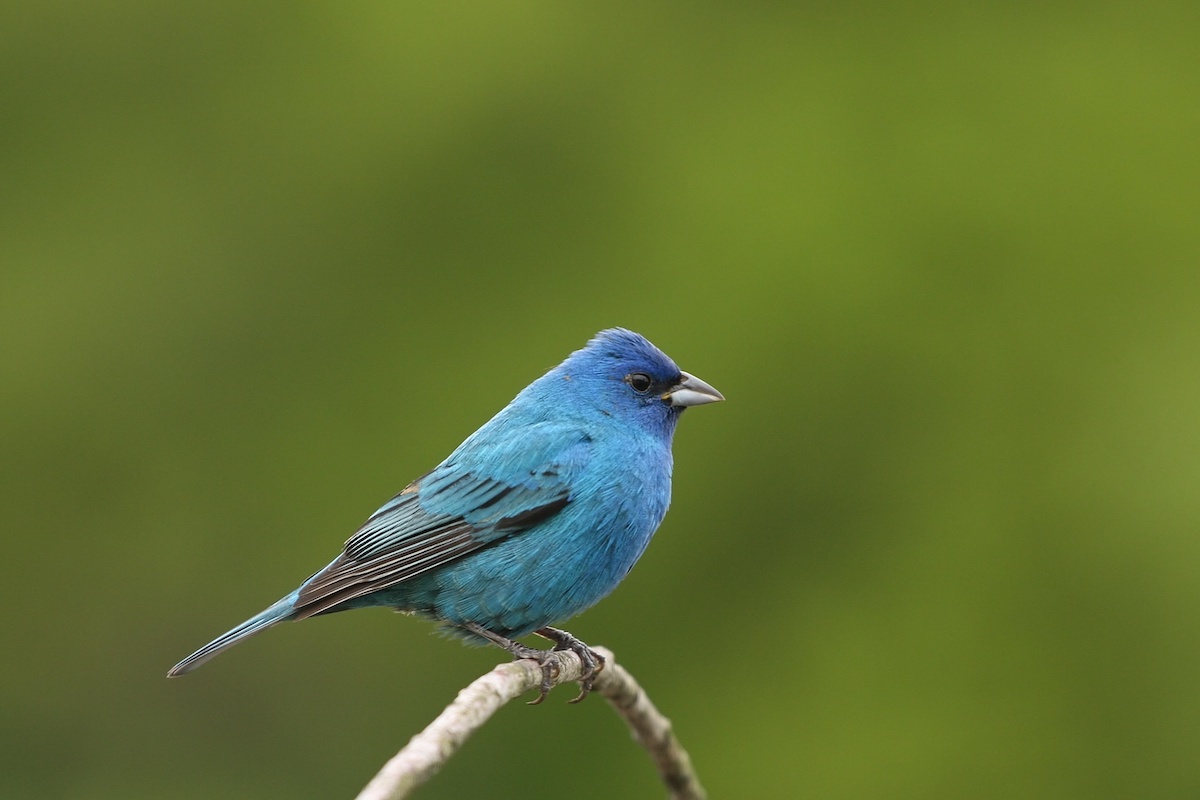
425	754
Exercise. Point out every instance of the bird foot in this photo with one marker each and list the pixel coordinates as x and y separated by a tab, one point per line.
592	661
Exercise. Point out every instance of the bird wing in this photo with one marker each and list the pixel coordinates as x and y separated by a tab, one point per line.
476	498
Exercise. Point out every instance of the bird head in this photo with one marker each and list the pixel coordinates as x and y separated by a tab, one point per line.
620	372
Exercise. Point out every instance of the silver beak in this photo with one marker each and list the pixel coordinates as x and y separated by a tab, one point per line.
691	391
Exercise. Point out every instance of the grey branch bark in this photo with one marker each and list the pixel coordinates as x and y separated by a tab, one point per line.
430	749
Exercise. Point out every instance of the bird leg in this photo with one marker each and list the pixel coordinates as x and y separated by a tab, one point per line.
592	661
544	658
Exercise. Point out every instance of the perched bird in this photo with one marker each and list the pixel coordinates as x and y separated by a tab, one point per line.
535	517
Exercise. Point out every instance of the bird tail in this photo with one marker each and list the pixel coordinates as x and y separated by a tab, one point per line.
279	612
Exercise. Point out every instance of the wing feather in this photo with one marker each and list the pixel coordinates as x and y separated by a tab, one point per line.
443	516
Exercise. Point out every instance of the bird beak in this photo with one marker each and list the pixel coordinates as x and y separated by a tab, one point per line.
691	391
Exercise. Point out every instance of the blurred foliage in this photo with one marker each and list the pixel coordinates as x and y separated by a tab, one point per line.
261	264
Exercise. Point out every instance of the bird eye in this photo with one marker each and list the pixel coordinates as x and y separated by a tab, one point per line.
640	382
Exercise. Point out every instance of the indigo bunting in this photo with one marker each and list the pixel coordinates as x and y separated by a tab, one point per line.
535	517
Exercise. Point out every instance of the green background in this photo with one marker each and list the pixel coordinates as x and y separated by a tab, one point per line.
262	264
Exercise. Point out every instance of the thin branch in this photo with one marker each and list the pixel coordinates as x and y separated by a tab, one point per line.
430	749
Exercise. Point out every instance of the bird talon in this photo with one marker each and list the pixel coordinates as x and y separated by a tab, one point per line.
585	688
593	665
591	661
550	671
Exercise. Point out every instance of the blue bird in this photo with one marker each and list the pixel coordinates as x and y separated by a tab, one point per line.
537	516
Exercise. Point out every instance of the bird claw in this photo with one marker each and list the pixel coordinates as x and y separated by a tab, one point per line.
545	660
549	664
593	662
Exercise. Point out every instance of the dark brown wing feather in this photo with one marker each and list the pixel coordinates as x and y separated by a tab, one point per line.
403	540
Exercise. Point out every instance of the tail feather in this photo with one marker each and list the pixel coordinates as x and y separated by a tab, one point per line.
279	612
